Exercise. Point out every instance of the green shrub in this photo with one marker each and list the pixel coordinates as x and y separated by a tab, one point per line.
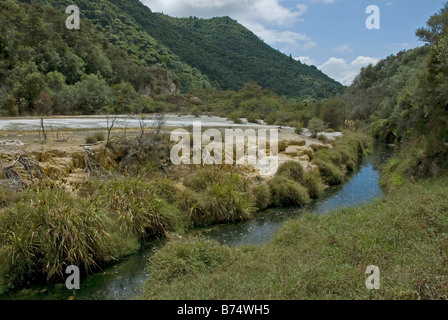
224	203
330	172
190	256
288	193
253	117
316	125
91	140
166	189
52	230
135	205
236	117
298	128
313	182
99	136
271	119
196	112
219	197
8	197
282	146
292	170
262	196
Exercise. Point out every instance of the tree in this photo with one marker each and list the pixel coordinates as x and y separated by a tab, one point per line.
332	113
11	106
43	104
316	125
29	88
125	96
91	94
434	87
436	26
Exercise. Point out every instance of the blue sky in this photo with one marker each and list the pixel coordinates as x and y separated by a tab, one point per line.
330	34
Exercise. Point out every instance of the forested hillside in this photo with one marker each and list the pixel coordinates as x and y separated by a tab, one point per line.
123	31
124	54
405	99
47	69
230	55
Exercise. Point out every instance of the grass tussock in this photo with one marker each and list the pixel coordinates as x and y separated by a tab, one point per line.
316	257
166	189
8	197
343	157
262	196
313	182
282	146
292	170
288	193
39	237
331	173
96	137
49	229
190	256
135	206
215	196
410	163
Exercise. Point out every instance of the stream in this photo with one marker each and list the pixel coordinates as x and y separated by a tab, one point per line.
125	279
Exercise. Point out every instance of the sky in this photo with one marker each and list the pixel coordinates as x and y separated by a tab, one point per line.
330	34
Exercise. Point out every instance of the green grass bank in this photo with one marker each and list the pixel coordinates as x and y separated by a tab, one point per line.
405	234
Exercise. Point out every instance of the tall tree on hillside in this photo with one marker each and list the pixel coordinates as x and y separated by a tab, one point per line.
435	84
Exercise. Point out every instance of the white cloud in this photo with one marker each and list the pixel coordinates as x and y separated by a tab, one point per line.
268	11
323	1
342	48
306	60
274	37
403	45
344	72
265	18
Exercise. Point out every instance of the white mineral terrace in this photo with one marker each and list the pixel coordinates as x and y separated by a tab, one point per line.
101	122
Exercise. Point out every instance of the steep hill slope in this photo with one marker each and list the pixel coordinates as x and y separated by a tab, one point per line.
218	52
47	69
124	52
230	55
121	29
405	99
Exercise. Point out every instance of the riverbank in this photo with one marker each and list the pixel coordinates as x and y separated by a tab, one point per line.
125	279
120	205
321	257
